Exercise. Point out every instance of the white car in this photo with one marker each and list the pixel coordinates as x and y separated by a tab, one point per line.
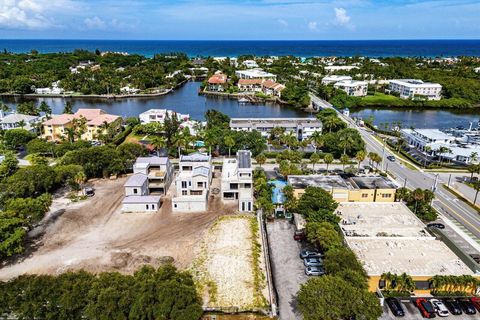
440	308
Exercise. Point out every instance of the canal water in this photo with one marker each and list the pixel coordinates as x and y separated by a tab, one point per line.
187	100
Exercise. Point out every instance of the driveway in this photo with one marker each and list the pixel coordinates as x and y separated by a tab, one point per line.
287	268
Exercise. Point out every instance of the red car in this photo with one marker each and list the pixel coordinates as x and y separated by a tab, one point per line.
425	307
299	236
476	303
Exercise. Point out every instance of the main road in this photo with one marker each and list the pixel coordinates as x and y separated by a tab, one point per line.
445	203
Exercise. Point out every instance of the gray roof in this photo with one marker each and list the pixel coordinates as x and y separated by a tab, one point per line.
196	157
17	117
137	180
141	199
204	171
244	159
372	183
156	161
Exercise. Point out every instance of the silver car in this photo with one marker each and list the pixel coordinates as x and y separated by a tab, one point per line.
441	309
314	271
313	262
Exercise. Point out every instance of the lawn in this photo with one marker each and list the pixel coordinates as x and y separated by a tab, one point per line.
381	99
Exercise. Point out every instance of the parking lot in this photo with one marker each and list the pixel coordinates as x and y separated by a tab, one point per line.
287	268
412	313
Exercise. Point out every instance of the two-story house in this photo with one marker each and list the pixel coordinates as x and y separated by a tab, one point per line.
237	180
193	183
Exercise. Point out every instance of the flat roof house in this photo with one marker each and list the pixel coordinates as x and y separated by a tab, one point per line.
159	115
193	183
353	88
334	79
237	180
353	189
388	237
255	74
303	128
158	170
414	89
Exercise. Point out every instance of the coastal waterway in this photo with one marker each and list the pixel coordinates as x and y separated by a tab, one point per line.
186	99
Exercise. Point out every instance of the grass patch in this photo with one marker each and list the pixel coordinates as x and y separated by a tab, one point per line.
381	98
258	276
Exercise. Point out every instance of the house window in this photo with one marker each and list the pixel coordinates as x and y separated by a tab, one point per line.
247	185
175	205
184	192
243	206
386	195
135	191
184	184
147	207
199	184
364	195
249	206
153	207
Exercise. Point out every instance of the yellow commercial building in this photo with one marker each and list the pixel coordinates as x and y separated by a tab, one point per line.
389	238
95	122
353	189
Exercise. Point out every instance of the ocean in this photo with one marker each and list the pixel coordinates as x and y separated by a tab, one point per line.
370	48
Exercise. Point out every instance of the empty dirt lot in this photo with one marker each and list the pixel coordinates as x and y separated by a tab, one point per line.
94	235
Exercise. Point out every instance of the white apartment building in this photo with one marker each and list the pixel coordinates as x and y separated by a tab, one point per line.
151	178
237	180
54	89
193	183
303	128
159	115
255	74
334	79
414	89
17	120
250	64
353	88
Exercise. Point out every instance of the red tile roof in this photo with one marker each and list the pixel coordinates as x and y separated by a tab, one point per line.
218	79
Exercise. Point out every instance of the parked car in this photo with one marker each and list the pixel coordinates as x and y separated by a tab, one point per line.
314	271
89	192
476	303
453	306
467	306
309	253
391	158
441	309
436	225
299	236
313	262
395	307
425	307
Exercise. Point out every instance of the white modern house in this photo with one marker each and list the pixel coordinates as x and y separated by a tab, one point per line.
302	128
250	64
415	89
192	183
152	176
237	180
255	74
430	142
338	68
334	79
54	89
159	115
18	120
353	88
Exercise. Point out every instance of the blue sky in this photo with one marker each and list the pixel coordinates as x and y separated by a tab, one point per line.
239	19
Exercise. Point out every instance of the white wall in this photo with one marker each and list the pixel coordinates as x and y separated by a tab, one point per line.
140	207
189	204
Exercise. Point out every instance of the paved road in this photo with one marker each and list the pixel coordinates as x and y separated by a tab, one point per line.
446	203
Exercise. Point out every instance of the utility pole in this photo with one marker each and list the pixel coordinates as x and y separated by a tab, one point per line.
449	178
434	187
405	183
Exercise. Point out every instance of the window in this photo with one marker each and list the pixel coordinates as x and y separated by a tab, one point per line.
175	205
386	195
135	191
153	207
247	185
249	206
199	184
422	285
243	206
381	284
184	192
147	207
364	195
234	186
184	184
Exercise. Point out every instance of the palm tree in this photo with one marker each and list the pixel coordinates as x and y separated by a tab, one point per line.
346	139
4	107
360	156
402	194
289	139
22	124
317	140
314	159
158	142
179	141
70	134
427	150
344	159
261	159
441	151
474	156
417	195
80	178
328	159
229	142
331	122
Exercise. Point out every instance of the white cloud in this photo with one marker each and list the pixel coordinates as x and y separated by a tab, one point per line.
341	16
283	22
313	25
95	23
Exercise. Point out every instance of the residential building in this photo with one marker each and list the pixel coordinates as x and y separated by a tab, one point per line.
334	79
255	74
477	70
151	178
129	90
55	129
159	115
267	87
302	128
353	88
389	238
18	120
192	183
338	68
237	180
250	64
416	89
54	89
217	83
347	189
